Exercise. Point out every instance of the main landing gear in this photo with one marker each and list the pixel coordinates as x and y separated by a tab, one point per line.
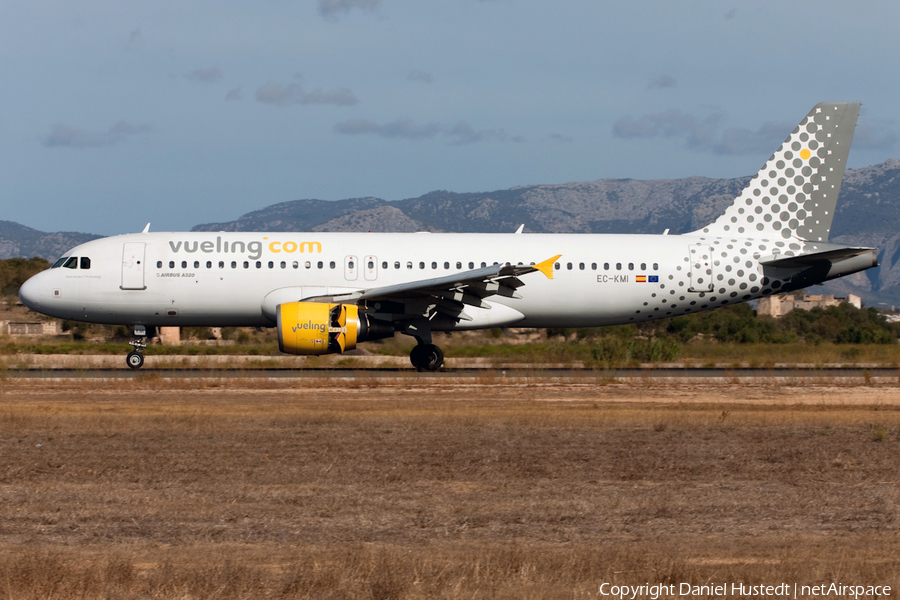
135	358
426	357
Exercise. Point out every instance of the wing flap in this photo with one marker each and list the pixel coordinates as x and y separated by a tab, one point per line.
449	295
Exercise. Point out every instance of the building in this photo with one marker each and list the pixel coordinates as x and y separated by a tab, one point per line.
30	328
778	306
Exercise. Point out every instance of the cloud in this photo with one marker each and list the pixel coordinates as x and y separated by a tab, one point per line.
407	129
703	134
463	133
743	141
661	82
65	136
670	123
563	139
874	136
331	8
403	128
208	75
286	94
420	76
234	94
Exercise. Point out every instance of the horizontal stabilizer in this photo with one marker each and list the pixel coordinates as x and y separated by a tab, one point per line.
804	261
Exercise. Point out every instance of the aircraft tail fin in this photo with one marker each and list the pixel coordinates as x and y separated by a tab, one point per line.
795	193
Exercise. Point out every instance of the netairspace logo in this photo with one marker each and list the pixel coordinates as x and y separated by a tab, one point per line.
733	590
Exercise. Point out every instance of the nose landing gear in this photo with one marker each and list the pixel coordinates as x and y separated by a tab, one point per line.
135	358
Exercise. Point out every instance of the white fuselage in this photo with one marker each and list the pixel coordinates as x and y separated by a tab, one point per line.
224	279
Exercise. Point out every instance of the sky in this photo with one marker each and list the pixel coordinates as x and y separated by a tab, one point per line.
114	114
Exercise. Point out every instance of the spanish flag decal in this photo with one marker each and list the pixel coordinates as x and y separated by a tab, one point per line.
640	278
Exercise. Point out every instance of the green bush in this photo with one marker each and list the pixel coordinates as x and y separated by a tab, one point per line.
614	351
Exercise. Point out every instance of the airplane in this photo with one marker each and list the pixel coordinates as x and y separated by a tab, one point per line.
327	292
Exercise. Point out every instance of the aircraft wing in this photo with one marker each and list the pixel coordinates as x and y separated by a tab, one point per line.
450	294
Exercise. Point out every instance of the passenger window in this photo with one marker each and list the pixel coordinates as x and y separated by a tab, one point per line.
350	264
409	264
643	266
593	266
272	265
397	264
459	265
196	264
471	265
483	265
63	260
284	265
606	266
656	266
259	264
421	265
631	266
371	265
434	265
234	264
209	264
320	264
246	264
618	266
158	264
307	265
581	266
331	265
556	266
569	266
85	262
384	265
221	264
446	265
171	264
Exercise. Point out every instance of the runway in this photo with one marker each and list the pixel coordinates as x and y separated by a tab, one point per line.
784	373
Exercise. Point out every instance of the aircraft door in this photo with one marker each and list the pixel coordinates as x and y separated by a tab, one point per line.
701	268
351	268
133	266
371	268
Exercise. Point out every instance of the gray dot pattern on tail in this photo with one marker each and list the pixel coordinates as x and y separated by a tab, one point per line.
794	194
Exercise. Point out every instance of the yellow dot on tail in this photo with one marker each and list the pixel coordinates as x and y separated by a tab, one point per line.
804	154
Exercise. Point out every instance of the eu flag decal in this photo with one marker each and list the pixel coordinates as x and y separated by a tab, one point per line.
654	279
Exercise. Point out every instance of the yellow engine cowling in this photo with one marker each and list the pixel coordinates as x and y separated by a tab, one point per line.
317	328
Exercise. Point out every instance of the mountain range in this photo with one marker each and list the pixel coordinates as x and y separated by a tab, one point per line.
868	214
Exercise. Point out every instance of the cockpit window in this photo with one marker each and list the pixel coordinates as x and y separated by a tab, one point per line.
72	263
85	262
60	262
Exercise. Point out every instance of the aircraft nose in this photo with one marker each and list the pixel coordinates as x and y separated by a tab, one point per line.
30	293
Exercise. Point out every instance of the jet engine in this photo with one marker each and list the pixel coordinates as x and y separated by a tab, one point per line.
321	328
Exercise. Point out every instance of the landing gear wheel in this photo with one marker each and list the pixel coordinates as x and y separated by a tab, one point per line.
135	360
426	357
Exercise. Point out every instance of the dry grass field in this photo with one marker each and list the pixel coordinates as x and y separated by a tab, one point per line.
406	487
